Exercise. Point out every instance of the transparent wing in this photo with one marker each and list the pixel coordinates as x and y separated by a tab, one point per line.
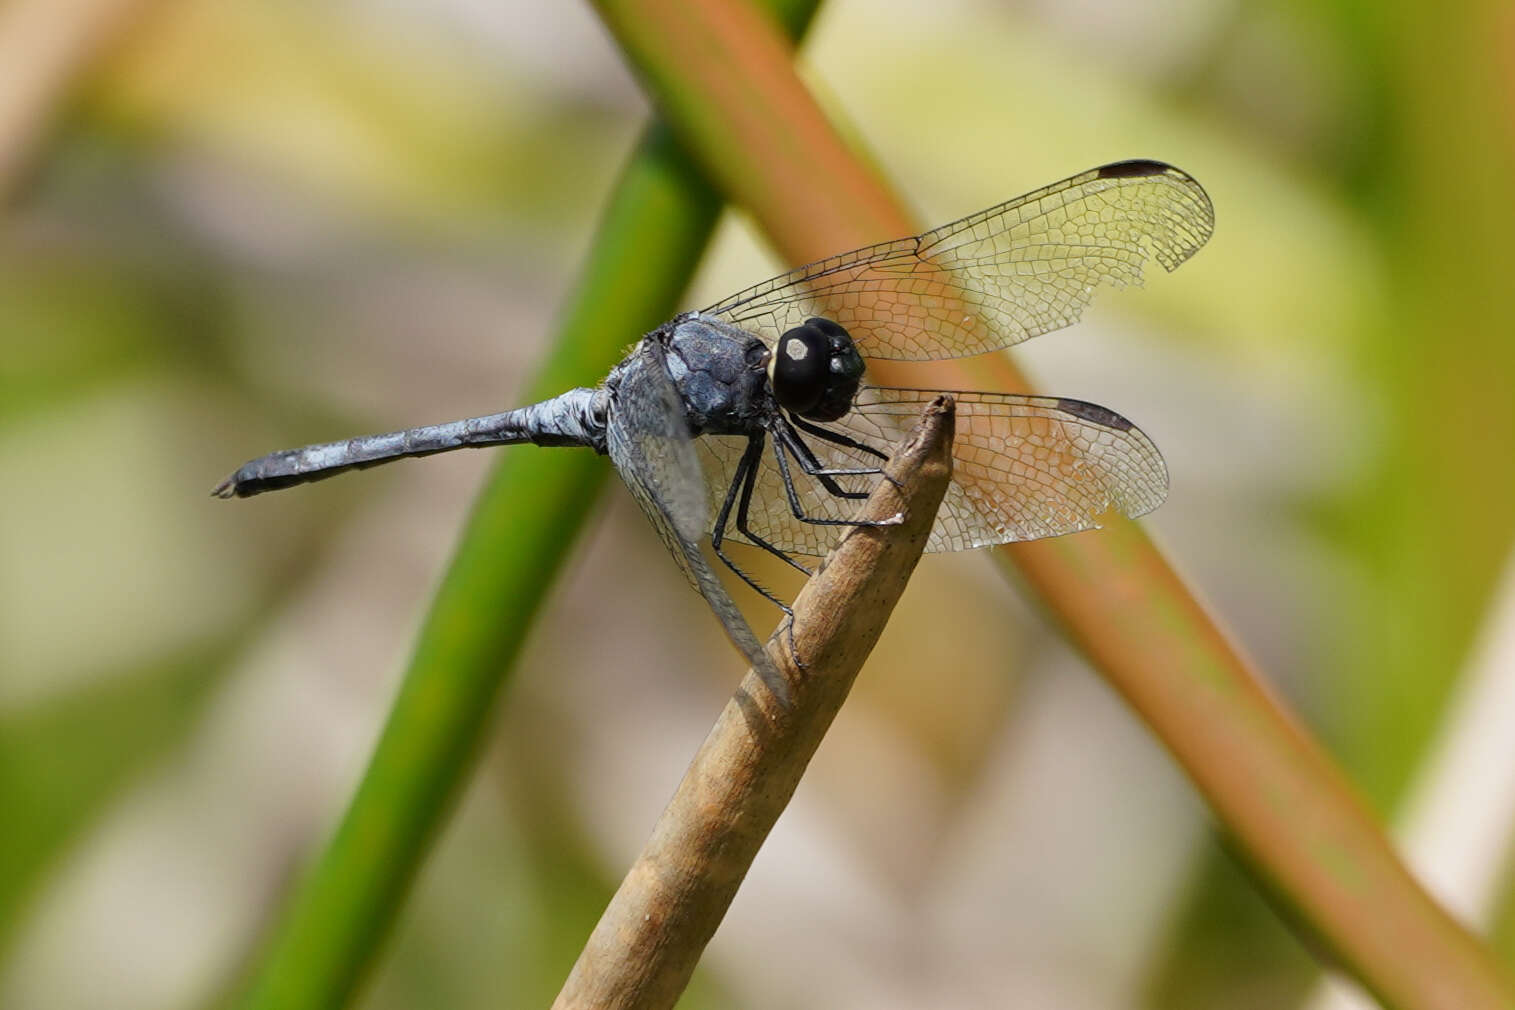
649	444
1005	274
1024	467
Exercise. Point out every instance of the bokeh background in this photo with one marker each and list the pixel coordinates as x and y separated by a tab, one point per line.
250	226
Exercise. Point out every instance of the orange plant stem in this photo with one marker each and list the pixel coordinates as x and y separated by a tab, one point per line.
724	79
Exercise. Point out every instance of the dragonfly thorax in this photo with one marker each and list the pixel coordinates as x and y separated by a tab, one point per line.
815	370
721	375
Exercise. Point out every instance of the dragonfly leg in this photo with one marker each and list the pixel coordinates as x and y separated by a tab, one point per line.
744	504
837	438
789	439
745	477
794	649
794	498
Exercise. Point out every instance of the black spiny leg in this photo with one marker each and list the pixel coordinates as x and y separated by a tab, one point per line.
794	498
743	480
745	503
836	437
786	436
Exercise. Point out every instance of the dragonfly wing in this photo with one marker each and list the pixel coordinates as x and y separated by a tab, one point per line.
649	443
1023	467
1003	275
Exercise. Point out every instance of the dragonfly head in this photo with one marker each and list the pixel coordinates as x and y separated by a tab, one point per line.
815	370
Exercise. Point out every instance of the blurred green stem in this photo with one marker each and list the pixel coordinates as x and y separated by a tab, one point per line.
654	232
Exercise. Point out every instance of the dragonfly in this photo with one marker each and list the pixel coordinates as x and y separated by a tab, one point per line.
755	410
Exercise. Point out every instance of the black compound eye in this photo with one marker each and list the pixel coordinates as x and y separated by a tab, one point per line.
801	367
828	327
756	355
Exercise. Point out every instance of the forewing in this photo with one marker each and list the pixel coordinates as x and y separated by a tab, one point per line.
649	443
1024	467
996	278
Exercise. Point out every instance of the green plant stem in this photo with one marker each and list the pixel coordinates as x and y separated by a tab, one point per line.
653	234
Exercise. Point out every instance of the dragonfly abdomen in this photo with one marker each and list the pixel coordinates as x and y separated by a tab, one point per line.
577	417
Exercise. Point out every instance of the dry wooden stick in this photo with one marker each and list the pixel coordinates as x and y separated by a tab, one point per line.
647	943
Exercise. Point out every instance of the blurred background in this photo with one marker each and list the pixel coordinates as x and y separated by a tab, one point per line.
250	226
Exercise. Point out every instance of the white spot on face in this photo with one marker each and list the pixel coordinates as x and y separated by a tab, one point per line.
795	350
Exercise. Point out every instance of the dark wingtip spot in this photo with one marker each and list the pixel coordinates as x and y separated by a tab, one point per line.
1133	169
1102	416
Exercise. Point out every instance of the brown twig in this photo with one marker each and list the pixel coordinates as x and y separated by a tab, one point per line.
647	943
